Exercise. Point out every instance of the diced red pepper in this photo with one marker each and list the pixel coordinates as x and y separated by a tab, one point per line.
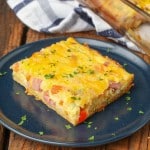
83	115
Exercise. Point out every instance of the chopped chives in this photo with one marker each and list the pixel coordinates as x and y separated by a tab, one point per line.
49	76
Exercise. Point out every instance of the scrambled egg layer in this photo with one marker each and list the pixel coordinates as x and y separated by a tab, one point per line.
83	74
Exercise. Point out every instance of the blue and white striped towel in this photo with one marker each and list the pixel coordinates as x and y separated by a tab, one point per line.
53	16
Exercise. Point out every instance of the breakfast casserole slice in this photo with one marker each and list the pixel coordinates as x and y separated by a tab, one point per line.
72	79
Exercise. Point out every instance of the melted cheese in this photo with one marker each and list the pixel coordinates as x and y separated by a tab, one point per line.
83	73
143	4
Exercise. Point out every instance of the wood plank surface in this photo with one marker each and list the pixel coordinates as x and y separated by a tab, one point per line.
13	34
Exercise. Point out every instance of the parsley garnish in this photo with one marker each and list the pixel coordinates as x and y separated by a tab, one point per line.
116	118
129	108
68	126
2	73
141	112
68	75
75	98
89	124
23	119
128	98
101	79
49	76
91	138
41	133
53	51
75	72
91	71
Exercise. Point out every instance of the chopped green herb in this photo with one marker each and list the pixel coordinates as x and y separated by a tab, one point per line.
90	122
49	76
53	51
75	98
21	123
17	93
68	126
41	133
23	118
89	126
125	64
2	73
75	72
91	71
68	50
91	138
70	75
116	118
128	98
141	112
101	79
80	67
52	64
113	134
129	108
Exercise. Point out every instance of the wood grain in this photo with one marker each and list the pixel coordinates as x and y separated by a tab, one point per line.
13	34
1	137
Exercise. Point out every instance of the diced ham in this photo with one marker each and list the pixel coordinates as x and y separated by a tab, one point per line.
15	67
56	88
47	99
114	85
36	83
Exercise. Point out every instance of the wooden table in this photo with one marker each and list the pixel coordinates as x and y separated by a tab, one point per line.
13	34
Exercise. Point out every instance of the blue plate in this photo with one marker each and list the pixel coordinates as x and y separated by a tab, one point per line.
120	119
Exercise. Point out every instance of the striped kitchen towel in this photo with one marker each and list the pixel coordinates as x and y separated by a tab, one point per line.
62	16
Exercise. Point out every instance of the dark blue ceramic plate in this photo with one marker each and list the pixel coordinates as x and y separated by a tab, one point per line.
120	119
